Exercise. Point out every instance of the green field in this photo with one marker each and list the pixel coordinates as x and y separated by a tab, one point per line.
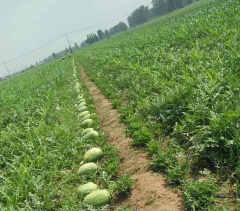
176	82
42	145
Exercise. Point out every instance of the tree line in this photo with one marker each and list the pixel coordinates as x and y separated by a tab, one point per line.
159	7
100	34
139	16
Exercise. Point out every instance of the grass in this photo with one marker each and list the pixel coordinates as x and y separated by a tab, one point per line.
41	142
175	81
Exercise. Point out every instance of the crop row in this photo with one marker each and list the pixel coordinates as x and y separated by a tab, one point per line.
42	143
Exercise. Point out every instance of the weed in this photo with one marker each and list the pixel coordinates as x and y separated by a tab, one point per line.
122	187
199	195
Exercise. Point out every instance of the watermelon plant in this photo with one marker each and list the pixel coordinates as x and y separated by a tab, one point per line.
41	140
175	82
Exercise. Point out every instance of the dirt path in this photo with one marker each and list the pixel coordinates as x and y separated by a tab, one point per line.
150	192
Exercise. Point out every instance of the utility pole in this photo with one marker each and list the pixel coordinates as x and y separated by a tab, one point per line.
6	68
68	41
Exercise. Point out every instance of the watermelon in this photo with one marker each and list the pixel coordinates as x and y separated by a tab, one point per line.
93	154
87	168
84	113
87	130
86	117
82	108
91	134
87	123
87	188
97	198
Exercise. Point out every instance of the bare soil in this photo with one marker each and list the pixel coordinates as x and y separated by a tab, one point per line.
150	192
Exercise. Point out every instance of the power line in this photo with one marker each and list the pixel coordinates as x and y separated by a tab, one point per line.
64	35
59	37
6	67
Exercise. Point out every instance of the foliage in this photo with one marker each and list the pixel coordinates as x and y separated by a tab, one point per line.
92	38
161	7
122	187
138	16
41	141
120	27
177	78
100	35
199	195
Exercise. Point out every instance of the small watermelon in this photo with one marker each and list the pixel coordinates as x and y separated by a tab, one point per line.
85	131
87	123
84	113
91	134
93	154
87	188
87	168
86	117
78	86
82	104
98	198
82	100
82	108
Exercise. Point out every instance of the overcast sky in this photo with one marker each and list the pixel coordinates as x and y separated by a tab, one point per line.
30	24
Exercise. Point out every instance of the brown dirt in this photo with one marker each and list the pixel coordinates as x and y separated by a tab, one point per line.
150	192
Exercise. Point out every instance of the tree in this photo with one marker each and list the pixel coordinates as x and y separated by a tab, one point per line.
179	4
92	38
120	27
188	2
139	16
54	55
171	5
84	44
159	7
106	33
76	46
101	34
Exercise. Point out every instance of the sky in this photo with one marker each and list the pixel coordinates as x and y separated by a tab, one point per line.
32	29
